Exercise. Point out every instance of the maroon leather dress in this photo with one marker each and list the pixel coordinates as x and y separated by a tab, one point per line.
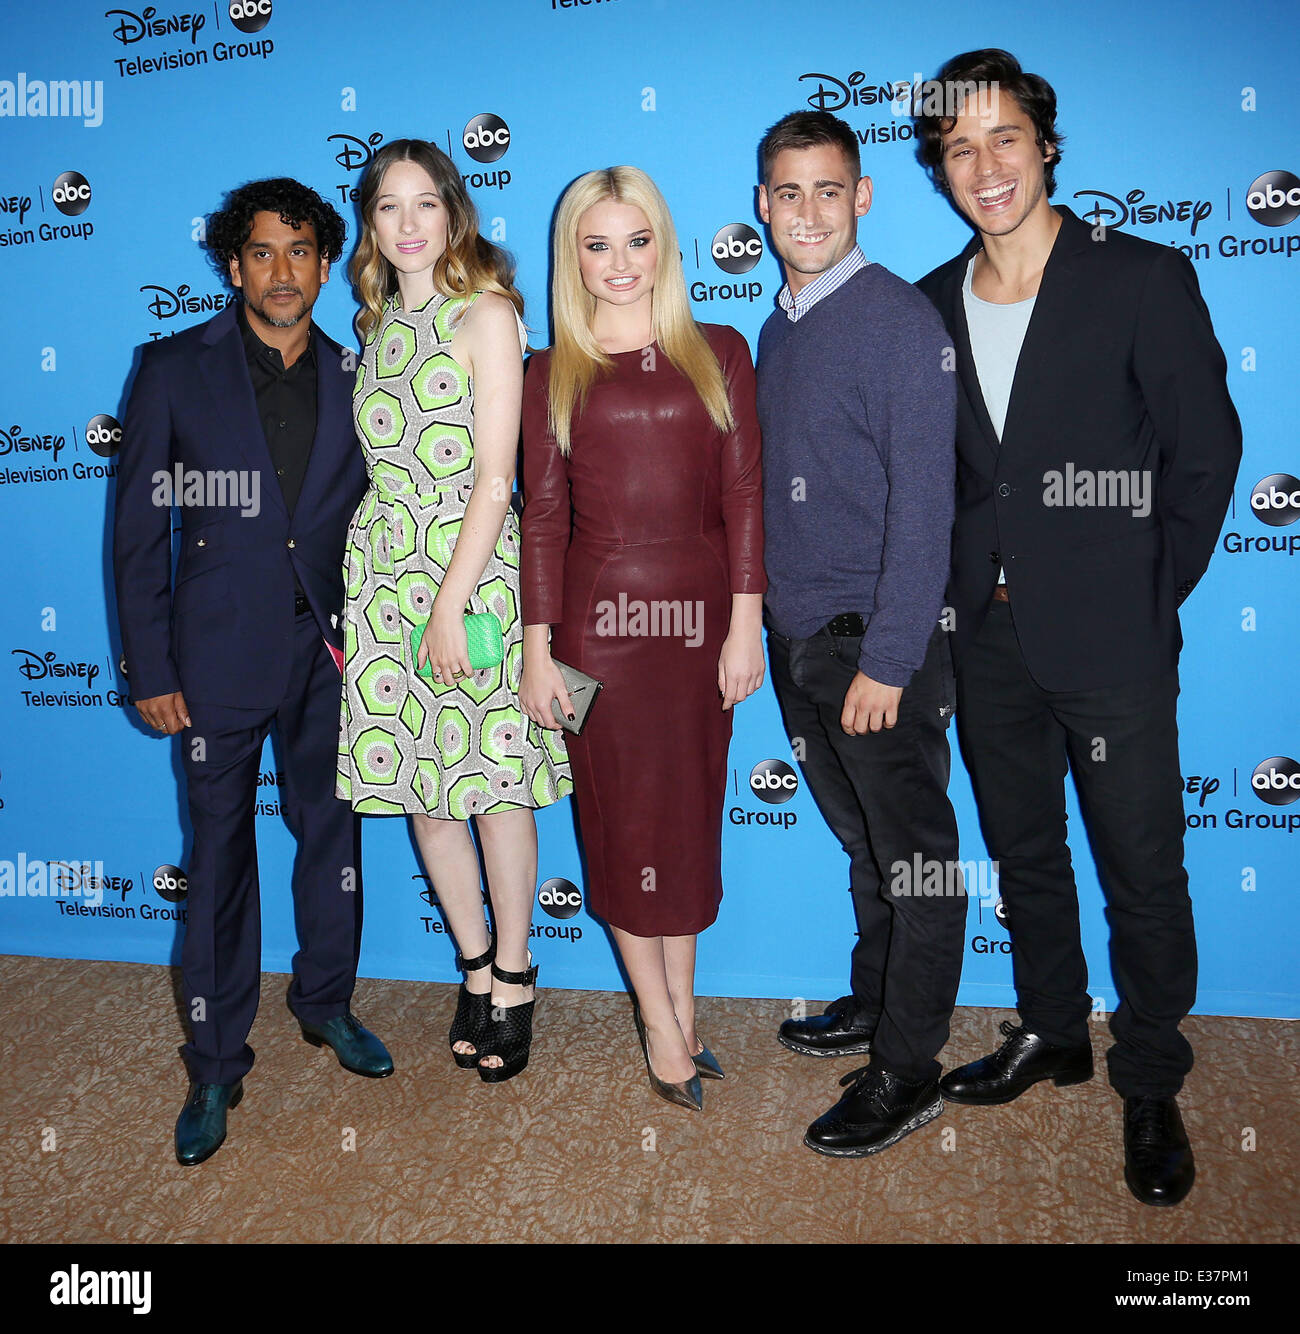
632	548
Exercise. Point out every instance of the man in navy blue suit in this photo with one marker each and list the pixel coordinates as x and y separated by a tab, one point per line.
245	424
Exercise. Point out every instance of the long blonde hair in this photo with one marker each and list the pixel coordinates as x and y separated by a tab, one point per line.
468	264
577	358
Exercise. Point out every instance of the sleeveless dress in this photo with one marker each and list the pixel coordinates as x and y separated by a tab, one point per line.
408	743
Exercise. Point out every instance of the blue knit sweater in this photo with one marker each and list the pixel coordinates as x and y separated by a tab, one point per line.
858	419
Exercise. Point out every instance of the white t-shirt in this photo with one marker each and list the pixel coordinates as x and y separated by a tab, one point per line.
997	333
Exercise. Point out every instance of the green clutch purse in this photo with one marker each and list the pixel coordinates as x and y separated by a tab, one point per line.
486	647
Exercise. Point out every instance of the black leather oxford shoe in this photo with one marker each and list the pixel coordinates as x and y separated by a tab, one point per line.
877	1111
828	1034
356	1047
1018	1064
201	1126
1158	1165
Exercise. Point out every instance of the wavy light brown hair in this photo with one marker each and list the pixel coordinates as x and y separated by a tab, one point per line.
468	264
577	358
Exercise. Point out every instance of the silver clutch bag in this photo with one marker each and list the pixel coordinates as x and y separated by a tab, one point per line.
583	690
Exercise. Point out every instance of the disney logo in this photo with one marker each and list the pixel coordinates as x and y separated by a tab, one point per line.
133	27
355	153
833	94
166	304
71	878
16	204
37	666
1110	211
13	441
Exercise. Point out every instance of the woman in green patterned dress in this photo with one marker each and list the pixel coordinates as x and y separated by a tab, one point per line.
437	409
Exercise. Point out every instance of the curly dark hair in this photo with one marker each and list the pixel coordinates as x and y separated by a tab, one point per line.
295	204
809	129
979	69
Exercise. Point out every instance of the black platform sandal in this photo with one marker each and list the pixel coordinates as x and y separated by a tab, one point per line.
510	1029
473	1012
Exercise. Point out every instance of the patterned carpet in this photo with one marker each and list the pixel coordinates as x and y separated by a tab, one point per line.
578	1148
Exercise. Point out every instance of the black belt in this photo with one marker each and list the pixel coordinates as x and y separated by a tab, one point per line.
300	604
848	625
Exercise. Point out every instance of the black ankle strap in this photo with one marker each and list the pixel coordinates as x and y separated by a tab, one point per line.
473	965
524	979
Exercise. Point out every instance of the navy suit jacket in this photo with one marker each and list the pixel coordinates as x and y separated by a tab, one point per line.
223	633
1120	372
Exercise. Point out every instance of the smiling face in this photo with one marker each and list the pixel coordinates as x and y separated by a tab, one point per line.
279	270
617	253
812	204
410	220
994	166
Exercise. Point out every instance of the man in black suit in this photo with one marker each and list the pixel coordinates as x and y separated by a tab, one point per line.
245	424
1097	449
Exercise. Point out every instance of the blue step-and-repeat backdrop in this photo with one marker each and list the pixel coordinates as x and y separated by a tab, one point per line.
121	128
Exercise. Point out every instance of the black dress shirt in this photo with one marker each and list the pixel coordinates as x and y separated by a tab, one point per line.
286	404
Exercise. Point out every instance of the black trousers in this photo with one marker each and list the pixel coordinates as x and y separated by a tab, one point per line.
1121	743
885	797
221	957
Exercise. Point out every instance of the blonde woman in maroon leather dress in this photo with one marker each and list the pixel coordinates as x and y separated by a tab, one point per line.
642	565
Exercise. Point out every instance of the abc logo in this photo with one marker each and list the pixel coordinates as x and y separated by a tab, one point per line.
560	898
1276	500
774	781
104	434
71	193
486	137
1274	199
171	884
736	248
250	15
1000	911
1277	780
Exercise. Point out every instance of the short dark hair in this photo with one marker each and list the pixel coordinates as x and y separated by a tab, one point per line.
1034	95
809	129
292	202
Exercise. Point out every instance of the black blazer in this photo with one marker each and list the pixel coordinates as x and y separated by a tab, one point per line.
1120	379
224	633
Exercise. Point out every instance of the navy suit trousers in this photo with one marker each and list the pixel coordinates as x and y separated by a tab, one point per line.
221	956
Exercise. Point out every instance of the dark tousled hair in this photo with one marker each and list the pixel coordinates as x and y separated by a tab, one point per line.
809	129
1034	95
292	202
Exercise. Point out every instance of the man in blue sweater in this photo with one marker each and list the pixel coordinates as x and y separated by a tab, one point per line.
857	411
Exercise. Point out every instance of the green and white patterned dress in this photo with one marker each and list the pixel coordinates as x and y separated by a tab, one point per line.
406	742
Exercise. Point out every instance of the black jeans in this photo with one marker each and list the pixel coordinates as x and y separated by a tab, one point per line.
885	797
1121	742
